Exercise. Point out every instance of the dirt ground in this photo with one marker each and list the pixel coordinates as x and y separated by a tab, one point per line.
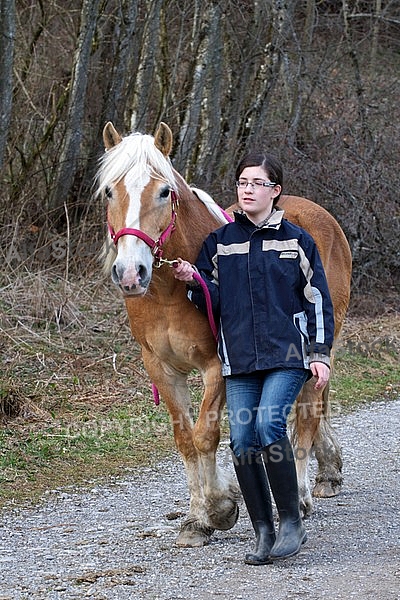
117	540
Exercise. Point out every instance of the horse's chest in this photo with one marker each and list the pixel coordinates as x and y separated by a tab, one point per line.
176	333
153	328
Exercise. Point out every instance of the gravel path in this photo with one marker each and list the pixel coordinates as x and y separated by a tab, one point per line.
117	541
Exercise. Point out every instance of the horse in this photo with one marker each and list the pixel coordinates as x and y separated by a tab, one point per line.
152	212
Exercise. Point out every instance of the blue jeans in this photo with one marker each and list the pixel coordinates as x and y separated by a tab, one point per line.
258	406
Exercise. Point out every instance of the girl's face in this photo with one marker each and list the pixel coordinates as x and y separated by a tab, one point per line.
256	193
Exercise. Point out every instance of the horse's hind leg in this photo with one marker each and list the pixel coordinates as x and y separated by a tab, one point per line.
308	410
328	481
313	432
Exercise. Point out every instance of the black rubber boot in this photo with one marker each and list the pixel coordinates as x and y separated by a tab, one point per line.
281	469
253	482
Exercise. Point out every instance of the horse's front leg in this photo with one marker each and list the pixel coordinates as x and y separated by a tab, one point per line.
221	493
196	529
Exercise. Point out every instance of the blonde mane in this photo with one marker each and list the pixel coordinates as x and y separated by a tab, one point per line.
210	204
137	155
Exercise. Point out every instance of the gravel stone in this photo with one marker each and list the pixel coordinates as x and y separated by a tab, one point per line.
116	541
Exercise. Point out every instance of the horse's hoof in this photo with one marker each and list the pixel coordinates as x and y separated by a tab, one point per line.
225	520
326	489
305	503
193	535
306	508
192	539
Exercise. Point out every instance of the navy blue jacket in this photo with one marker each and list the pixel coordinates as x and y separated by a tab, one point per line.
269	294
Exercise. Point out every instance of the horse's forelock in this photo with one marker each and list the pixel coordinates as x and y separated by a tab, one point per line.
137	155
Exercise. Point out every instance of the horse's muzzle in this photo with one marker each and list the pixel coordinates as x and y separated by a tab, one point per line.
131	281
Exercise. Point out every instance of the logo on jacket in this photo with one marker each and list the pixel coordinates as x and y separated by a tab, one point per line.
288	254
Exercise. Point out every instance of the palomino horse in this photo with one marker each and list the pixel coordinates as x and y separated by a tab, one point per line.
153	212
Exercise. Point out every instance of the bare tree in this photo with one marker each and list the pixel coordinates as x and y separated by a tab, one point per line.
121	31
300	73
7	34
375	33
211	108
73	133
206	78
358	78
146	87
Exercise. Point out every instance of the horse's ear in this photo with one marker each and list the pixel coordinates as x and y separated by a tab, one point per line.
111	136
163	139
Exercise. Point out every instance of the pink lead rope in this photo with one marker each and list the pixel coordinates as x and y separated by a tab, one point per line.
211	320
210	315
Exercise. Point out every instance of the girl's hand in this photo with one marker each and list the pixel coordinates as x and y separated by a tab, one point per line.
183	270
321	372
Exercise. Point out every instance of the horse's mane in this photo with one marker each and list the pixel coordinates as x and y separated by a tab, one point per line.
211	205
137	156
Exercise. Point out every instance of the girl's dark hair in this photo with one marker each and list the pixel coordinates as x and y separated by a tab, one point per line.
271	165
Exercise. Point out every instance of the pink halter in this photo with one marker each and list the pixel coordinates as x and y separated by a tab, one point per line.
155	245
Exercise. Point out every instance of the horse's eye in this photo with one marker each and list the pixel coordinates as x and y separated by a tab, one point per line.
164	193
108	192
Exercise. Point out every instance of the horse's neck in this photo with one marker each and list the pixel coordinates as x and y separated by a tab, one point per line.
194	222
164	289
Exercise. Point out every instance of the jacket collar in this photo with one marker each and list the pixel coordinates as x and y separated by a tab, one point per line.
273	221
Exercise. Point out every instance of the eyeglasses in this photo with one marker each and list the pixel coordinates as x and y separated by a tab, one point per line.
243	183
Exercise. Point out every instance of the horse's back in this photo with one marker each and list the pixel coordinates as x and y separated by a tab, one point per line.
321	225
331	243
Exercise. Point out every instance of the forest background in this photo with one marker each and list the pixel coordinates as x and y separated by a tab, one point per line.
315	82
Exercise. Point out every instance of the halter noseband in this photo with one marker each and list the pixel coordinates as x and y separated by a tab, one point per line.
155	245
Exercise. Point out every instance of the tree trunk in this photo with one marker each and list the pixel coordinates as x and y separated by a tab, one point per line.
74	127
123	35
208	144
189	129
375	34
146	87
7	34
366	137
298	79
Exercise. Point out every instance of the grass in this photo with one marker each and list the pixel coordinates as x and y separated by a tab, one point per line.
76	401
60	452
359	380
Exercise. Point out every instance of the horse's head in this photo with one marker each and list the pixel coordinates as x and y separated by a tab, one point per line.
138	181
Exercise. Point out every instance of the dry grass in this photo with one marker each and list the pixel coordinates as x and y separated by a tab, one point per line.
373	336
58	334
75	400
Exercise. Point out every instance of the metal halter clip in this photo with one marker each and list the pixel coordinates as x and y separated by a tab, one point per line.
160	261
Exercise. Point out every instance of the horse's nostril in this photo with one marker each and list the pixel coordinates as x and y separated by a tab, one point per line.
114	274
142	272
